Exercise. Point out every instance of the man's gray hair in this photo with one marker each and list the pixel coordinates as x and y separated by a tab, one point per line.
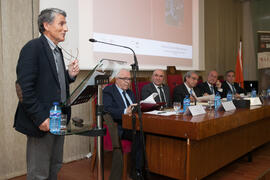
188	75
48	15
121	70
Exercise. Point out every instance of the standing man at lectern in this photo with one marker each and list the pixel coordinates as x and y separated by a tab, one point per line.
41	80
157	86
118	100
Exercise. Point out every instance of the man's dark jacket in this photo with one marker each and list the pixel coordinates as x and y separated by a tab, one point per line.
150	88
113	102
37	86
180	92
226	88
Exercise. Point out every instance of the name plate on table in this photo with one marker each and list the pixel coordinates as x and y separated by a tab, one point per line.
228	106
195	110
255	101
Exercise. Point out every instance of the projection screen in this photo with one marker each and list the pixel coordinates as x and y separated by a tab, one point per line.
161	32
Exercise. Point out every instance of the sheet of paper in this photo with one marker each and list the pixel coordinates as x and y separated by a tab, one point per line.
162	113
206	98
150	99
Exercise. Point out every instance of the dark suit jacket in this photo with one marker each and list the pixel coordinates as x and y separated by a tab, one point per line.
150	88
204	88
180	92
38	83
113	102
227	88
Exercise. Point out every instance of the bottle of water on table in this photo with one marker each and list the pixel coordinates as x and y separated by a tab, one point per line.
268	93
229	96
217	101
186	103
253	93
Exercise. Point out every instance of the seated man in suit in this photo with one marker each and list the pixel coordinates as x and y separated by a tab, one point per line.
187	88
118	99
212	85
157	86
230	85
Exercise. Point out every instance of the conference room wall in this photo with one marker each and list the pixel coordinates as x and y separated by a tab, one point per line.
222	31
226	22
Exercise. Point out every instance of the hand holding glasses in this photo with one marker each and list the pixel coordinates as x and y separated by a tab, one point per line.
73	62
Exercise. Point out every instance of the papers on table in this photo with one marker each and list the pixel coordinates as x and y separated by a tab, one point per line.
162	113
206	98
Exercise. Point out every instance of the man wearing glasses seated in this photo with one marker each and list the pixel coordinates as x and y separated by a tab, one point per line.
187	88
118	99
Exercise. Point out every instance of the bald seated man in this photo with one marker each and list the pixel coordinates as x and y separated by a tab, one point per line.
118	100
157	86
212	85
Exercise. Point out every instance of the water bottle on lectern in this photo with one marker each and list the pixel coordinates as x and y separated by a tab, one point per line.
55	118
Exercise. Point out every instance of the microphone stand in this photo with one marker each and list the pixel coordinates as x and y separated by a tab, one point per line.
135	68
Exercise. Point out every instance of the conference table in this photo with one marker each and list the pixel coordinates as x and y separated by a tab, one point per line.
192	147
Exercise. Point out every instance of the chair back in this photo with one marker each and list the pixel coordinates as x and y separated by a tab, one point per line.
174	80
140	86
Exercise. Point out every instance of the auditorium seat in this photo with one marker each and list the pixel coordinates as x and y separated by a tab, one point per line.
142	81
174	78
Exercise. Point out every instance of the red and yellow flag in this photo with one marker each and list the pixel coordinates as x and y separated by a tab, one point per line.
239	77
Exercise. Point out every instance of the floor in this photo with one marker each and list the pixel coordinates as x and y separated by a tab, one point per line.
241	169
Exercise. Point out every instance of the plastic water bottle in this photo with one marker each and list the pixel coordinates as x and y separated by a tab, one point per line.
186	103
55	118
253	93
217	101
268	93
229	96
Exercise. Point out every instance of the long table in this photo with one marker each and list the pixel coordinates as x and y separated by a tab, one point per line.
186	147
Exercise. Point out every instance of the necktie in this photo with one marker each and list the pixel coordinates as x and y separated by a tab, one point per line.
233	89
125	97
162	98
212	90
190	92
61	73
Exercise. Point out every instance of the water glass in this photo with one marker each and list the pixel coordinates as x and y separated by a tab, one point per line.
177	107
210	104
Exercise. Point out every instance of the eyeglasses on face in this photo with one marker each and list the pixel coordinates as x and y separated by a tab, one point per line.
125	78
194	78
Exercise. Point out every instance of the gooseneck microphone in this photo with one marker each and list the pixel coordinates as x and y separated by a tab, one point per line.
135	68
96	41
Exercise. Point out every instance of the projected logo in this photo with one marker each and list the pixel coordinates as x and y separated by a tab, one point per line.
174	12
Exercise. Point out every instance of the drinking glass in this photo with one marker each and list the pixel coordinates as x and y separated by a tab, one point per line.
177	107
210	104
